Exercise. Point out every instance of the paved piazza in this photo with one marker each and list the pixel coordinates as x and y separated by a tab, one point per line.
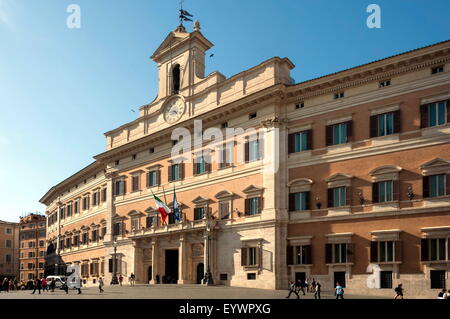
167	292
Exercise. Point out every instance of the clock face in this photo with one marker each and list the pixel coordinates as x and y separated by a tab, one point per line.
174	110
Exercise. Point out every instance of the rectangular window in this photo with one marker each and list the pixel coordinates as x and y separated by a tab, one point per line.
68	243
385	191
119	187
8	259
340	134
152	177
383	84
253	206
253	147
251	276
200	166
437	185
76	207
199	213
340	253
175	172
299	201
437	69
95	199
8	231
436	114
86	203
117	230
303	255
299	142
94	235
104	194
339	196
339	95
8	243
385	124
76	240
135	223
84	238
386	249
437	249
69	210
252	256
225	159
224	210
135	183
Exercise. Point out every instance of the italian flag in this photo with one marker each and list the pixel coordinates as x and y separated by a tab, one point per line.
162	208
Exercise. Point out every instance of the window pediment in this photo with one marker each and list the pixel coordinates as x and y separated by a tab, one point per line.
200	200
300	185
386	235
135	213
253	190
339	238
224	195
436	166
339	179
386	172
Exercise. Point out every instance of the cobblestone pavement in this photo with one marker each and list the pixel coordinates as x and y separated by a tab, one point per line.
169	292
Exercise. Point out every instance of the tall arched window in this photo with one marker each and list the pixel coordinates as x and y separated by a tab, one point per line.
176	79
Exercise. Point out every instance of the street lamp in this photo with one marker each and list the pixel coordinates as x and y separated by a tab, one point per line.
114	280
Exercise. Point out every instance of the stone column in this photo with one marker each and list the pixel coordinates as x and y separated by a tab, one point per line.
182	260
154	261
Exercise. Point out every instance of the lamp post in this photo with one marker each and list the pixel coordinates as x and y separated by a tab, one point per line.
114	280
210	223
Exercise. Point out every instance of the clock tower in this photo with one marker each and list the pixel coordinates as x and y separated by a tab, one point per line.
181	62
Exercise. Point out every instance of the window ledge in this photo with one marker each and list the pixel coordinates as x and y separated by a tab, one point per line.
251	268
386	139
339	148
436	130
340	264
300	265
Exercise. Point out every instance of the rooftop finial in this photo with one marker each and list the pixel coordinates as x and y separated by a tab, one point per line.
197	25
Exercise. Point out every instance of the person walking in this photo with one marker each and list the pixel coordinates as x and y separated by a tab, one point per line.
299	286
44	284
339	291
317	287
53	284
120	279
399	291
5	285
65	287
37	286
78	285
132	279
313	285
292	289
100	284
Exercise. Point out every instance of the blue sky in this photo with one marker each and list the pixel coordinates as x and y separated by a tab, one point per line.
61	88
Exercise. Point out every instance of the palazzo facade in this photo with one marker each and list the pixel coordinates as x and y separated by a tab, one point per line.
358	191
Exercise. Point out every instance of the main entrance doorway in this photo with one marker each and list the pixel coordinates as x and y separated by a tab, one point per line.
200	272
171	276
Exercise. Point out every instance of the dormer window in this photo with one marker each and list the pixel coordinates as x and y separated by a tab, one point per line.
176	79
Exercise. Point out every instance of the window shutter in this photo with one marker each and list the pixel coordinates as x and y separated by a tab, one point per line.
243	256
158	177
124	190
395	190
350	253
195	167
447	185
349	131
247	151
348	196
424	249
258	256
169	172
208	163
308	255
91	269
423	116
148	180
308	200
289	255
247	206
148	222
330	197
448	111
375	194
374	126
398	250
397	122
328	253
309	140
373	251
291	202
182	170
329	135
426	186
260	205
291	143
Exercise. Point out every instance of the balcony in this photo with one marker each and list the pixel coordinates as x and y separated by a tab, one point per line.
156	230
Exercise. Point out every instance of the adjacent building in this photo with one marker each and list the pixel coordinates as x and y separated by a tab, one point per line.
9	250
32	246
347	179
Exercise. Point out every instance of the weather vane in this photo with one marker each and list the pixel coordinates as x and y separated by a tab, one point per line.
184	15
